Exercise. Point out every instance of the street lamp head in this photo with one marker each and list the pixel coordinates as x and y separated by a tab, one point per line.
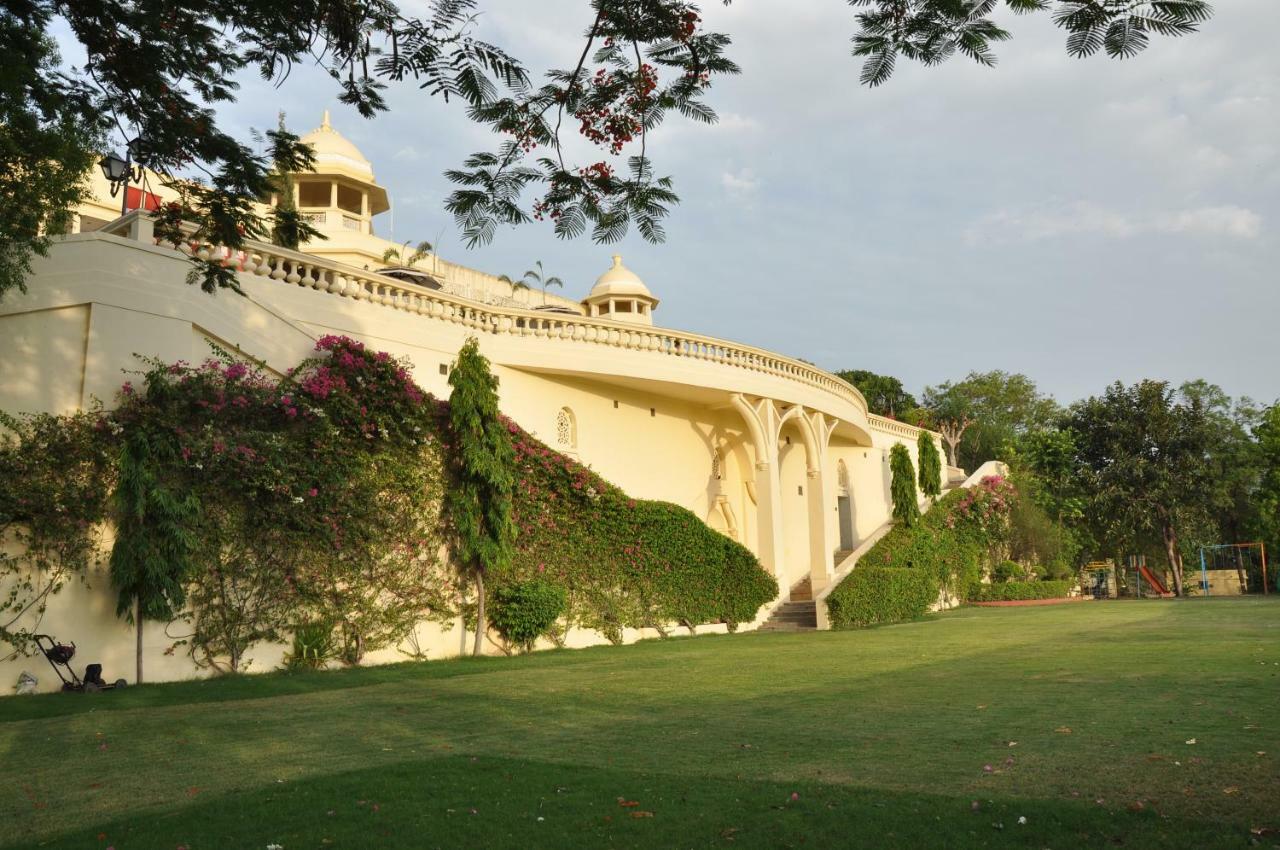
113	168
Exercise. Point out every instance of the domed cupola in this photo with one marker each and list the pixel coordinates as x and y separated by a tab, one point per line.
620	295
340	194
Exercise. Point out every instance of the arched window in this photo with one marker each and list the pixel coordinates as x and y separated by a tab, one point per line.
842	476
566	429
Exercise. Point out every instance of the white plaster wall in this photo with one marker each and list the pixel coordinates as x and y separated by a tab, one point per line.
43	353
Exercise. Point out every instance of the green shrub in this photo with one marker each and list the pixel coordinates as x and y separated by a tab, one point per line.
950	546
872	595
1006	571
906	507
625	563
525	611
314	645
1015	590
930	465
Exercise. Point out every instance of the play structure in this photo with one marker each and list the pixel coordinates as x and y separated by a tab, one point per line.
1234	569
1226	569
1146	582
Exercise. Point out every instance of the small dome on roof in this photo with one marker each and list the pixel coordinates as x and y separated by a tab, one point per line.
619	281
621	296
334	149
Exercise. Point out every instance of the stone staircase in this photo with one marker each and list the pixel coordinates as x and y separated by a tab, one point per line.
800	614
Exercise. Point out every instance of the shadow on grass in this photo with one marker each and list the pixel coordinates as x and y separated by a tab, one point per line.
484	801
232	688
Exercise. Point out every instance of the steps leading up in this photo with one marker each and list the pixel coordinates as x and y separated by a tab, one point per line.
800	614
793	617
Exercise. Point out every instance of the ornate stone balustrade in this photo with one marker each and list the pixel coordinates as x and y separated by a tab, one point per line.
293	268
893	426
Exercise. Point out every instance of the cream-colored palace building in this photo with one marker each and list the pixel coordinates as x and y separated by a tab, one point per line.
769	450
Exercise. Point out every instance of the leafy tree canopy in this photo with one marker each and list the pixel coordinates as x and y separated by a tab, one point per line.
999	405
640	62
1145	461
884	393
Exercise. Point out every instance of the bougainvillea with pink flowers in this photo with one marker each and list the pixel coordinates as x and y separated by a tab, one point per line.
320	496
946	553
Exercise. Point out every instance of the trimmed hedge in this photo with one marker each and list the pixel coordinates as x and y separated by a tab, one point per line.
872	595
1010	591
623	562
525	611
902	576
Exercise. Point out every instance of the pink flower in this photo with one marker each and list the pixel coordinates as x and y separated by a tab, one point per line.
313	492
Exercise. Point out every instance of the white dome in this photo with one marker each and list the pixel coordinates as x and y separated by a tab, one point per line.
619	281
334	149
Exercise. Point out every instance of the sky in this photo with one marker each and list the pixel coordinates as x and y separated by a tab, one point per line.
1079	221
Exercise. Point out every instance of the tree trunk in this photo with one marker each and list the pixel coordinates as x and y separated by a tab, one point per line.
480	621
951	451
1175	557
138	621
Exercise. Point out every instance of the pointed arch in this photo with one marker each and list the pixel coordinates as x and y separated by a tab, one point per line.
566	430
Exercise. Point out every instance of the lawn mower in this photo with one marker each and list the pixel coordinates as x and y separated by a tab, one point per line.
60	655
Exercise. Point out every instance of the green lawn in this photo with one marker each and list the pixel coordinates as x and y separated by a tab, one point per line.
1085	714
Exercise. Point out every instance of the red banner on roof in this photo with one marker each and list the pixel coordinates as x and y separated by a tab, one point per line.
136	199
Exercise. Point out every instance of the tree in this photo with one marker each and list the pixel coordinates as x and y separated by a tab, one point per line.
906	507
288	228
479	502
46	144
538	277
989	410
406	257
884	393
932	31
1143	458
952	431
152	556
1266	520
639	62
930	465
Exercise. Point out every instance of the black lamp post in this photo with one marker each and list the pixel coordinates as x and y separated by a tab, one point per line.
120	172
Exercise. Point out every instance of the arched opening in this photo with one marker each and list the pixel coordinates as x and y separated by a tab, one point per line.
844	508
566	430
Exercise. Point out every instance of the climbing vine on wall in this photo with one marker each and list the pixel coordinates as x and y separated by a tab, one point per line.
55	475
317	496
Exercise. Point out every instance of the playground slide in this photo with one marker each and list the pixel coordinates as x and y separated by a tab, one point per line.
1154	582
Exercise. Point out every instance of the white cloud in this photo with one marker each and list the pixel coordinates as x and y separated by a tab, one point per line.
1224	221
408	153
1082	218
742	183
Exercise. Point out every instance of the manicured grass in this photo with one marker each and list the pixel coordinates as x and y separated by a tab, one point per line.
882	735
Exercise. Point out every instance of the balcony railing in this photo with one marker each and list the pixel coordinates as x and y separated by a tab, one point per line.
292	268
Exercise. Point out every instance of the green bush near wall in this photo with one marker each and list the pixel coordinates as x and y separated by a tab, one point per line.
873	595
948	548
623	562
1017	590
